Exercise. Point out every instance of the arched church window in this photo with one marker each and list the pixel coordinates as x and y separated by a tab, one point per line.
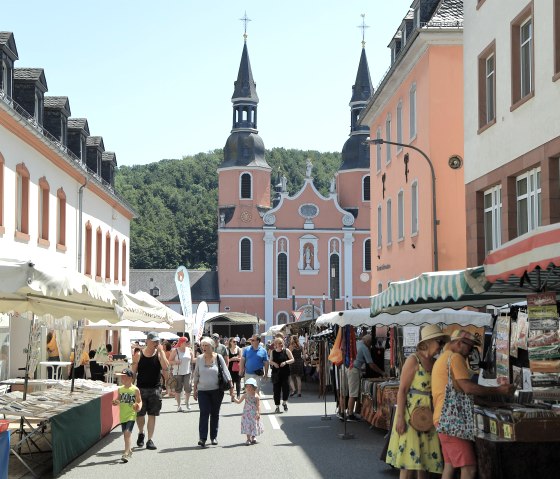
246	187
366	188
245	255
282	318
282	273
334	266
367	255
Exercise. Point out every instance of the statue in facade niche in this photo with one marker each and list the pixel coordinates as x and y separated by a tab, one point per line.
308	168
332	187
284	184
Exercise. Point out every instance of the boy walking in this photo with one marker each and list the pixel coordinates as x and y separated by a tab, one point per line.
130	402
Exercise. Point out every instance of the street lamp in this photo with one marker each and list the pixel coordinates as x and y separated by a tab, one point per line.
324	299
312	309
380	141
293	302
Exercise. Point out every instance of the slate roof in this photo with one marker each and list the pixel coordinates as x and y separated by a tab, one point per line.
449	13
8	44
204	284
244	148
362	89
96	141
58	103
109	156
245	87
31	74
78	124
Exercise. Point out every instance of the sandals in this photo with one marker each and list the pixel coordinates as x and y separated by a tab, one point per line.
248	442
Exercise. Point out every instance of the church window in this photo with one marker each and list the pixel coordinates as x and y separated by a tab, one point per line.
282	318
245	255
246	186
334	264
282	280
366	188
367	255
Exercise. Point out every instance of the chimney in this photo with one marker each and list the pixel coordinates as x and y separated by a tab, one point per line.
95	149
78	131
30	86
55	121
108	165
8	56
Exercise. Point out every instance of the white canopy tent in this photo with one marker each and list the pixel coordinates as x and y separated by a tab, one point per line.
361	317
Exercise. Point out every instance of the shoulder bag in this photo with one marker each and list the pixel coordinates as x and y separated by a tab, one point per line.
223	383
421	418
457	414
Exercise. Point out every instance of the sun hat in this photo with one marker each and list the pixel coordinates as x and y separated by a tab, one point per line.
251	382
152	336
461	334
432	331
216	336
182	340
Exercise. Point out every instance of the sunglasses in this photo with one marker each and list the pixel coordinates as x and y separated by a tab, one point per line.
441	342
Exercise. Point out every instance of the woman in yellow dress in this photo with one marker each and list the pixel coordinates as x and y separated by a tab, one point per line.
409	450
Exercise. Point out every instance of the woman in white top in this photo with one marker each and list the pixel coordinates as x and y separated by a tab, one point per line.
181	361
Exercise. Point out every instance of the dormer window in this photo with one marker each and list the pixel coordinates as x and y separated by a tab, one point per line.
417	17
4	86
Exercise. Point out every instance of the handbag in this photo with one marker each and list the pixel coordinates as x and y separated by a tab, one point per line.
421	418
457	414
336	357
259	372
223	383
235	367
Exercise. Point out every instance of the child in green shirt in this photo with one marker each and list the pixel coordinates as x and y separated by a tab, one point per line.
130	403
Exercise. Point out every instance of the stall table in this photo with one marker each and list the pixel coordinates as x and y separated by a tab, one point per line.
55	367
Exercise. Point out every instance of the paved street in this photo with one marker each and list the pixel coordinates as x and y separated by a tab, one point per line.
295	444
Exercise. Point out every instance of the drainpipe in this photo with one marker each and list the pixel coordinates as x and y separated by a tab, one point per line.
80	198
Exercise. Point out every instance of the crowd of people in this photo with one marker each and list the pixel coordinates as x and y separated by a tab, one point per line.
206	371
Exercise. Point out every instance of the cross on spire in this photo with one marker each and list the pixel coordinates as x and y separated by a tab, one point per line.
363	26
245	20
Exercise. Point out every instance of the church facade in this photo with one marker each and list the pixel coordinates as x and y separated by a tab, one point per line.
286	258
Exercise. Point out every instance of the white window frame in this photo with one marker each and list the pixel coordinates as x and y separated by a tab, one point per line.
399	126
526	58
379	227
251	255
494	211
532	197
490	82
389	221
378	151
414	209
400	215
240	183
388	138
412	125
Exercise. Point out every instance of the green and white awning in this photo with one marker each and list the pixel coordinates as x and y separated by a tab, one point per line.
438	287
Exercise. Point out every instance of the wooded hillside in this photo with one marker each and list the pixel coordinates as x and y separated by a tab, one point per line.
177	202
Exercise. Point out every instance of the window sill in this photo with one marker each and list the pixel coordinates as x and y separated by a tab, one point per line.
108	280
98	279
88	275
412	138
400	240
124	283
413	235
116	281
22	236
61	247
485	127
523	100
43	242
556	76
308	272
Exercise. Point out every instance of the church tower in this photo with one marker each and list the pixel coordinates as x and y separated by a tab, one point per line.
243	195
353	177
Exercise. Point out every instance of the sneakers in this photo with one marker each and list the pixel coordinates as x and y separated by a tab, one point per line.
202	443
352	418
285	406
253	440
140	441
277	410
179	409
214	442
124	458
150	445
188	406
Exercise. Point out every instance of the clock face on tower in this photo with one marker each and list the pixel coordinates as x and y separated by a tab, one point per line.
246	216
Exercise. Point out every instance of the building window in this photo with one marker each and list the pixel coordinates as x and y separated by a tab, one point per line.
22	202
366	188
88	252
98	253
245	263
389	222
44	196
107	257
487	86
378	151
399	125
556	39
334	266
282	318
522	51
379	227
124	261
61	220
1	194
414	208
412	111
528	201
388	138
245	186
400	215
492	218
282	275
116	261
367	255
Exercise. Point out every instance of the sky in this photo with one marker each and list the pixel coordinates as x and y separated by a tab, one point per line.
155	79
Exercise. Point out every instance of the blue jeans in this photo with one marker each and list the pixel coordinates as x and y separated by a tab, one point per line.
209	403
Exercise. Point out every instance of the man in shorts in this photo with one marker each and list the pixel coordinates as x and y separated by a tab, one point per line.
148	365
457	452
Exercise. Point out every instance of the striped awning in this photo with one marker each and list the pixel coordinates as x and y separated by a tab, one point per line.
431	287
539	248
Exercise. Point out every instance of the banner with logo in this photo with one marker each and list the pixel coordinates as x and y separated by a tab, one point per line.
200	319
183	285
